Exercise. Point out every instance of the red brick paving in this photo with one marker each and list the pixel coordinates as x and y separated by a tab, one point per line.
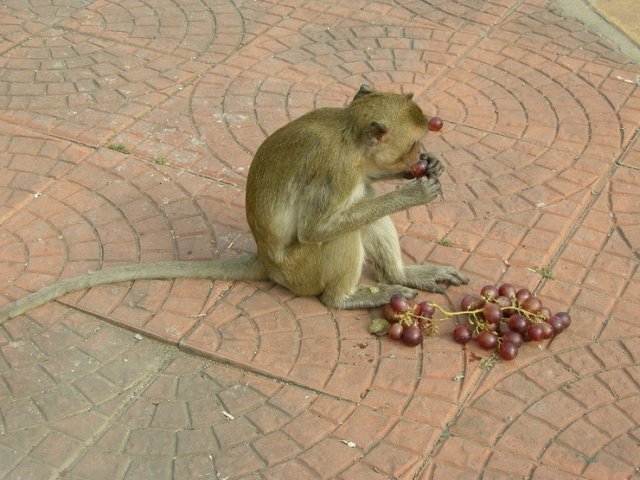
542	149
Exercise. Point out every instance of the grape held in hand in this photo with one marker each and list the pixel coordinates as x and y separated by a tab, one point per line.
419	169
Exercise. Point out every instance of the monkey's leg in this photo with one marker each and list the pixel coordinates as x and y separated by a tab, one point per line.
383	249
343	272
247	267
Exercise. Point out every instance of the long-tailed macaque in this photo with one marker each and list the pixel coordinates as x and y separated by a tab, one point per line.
313	212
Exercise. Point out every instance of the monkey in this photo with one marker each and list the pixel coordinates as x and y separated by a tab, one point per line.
313	212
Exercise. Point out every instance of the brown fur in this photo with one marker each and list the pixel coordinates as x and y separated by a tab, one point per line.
313	212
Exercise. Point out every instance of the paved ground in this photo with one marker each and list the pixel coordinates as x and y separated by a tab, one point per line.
622	14
542	151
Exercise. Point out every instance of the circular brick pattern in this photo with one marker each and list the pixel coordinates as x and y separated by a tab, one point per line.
540	115
63	374
165	26
73	79
562	415
92	400
517	136
13	256
458	15
297	339
22	19
287	81
111	63
624	194
111	210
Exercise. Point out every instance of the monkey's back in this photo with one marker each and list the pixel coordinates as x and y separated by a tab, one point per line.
308	160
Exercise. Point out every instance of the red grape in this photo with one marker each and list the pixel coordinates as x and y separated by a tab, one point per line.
556	322
492	313
566	319
513	337
518	323
425	309
389	314
492	327
547	330
487	340
412	335
522	295
398	303
503	302
503	328
545	312
395	331
419	169
507	290
435	124
489	291
559	321
532	304
508	312
462	334
535	331
508	351
471	302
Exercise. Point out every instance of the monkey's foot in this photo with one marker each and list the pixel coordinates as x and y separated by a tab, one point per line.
367	296
432	278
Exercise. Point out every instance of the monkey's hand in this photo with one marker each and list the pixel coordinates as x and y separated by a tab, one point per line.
422	190
434	167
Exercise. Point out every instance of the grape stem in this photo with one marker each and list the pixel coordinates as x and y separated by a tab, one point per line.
522	311
478	324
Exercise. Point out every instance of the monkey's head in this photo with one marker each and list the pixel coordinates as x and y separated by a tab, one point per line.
389	127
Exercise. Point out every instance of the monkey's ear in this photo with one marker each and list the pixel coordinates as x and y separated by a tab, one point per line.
409	96
364	90
376	132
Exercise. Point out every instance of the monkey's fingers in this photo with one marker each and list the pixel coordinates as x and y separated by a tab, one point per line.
434	183
435	167
435	288
435	170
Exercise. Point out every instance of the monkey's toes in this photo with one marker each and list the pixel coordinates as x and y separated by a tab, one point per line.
435	288
404	291
452	277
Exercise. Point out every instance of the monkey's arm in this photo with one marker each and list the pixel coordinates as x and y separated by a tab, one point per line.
322	226
380	177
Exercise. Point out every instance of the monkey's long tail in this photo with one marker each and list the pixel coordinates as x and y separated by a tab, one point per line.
247	267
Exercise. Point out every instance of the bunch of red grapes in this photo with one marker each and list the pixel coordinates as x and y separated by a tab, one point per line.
500	319
405	320
503	318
